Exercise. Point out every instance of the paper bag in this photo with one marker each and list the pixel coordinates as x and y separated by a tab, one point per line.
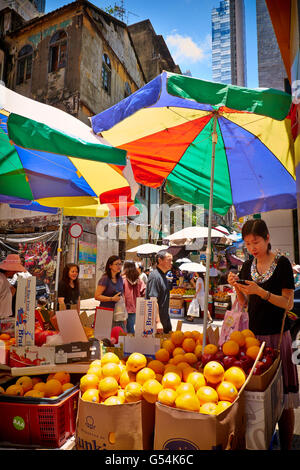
129	426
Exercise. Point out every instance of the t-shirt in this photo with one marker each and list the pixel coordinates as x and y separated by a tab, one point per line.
70	294
158	286
264	317
111	289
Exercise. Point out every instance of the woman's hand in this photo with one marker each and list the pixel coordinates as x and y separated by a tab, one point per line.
250	288
116	297
232	278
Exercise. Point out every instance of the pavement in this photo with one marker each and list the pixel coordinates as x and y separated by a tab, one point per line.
90	304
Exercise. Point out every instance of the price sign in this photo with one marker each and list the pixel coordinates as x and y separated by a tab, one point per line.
76	230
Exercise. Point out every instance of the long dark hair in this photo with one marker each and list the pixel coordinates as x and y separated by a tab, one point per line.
257	227
65	274
130	271
109	262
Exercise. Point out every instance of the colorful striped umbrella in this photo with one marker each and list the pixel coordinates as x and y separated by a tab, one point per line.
207	143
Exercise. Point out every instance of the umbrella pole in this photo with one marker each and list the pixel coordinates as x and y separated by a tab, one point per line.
210	212
58	255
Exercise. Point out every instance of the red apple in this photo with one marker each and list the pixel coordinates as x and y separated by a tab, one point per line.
268	361
259	368
228	361
219	356
205	358
270	352
238	363
247	363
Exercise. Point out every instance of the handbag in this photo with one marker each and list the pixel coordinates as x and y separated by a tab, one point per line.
193	310
120	311
235	319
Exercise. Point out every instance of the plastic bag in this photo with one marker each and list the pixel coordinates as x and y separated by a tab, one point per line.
193	310
235	319
120	312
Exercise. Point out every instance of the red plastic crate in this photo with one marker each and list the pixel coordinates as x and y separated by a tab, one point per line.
38	424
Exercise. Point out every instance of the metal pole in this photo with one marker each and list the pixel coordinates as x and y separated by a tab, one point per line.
210	212
58	255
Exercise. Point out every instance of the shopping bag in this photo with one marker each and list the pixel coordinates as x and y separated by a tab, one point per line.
235	319
193	310
120	312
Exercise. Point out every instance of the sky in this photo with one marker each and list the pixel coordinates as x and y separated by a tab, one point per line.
186	28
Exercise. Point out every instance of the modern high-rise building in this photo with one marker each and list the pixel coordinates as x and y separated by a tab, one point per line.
228	43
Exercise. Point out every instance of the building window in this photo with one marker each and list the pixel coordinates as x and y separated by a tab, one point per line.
127	90
106	73
58	51
24	64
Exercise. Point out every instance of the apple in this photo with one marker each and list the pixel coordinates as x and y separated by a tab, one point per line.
219	356
247	363
259	368
238	363
205	358
268	361
228	361
270	352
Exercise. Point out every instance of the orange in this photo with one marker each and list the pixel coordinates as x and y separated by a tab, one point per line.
167	396
92	394
222	405
209	408
198	351
197	379
189	344
40	386
36	380
144	374
96	370
133	392
25	382
109	357
182	365
199	340
162	355
238	337
53	388
4	336
111	369
187	334
187	401
15	390
213	372
108	387
171	380
88	381
114	400
252	351
249	341
247	333
136	361
207	394
175	369
185	387
2	390
178	350
186	372
210	349
177	337
227	391
63	377
178	358
168	345
196	334
236	376
50	376
150	390
96	362
157	366
230	348
121	394
159	377
34	393
67	386
126	377
190	358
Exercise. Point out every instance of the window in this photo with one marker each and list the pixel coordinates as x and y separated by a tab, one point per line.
127	90
106	73
24	64
58	51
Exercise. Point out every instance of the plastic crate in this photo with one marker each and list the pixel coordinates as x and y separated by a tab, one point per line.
38	422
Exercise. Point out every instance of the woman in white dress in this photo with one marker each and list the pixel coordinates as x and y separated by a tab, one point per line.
200	294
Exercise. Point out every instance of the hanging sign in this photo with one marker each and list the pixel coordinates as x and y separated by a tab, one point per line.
76	230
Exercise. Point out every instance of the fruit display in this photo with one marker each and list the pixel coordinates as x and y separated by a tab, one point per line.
221	296
6	340
26	386
177	291
190	291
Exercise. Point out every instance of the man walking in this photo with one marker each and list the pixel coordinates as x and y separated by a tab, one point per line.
158	286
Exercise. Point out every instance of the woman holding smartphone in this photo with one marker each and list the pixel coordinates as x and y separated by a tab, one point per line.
110	286
268	290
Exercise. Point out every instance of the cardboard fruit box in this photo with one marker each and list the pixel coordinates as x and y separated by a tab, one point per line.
259	383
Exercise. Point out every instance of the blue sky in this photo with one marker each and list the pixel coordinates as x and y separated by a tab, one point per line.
186	28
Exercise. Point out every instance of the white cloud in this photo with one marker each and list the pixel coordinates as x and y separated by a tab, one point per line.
185	49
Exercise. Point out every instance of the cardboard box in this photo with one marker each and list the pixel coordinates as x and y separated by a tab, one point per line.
176	312
25	356
120	427
263	410
177	429
176	303
25	308
77	352
259	383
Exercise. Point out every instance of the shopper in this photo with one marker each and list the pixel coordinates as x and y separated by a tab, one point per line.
68	288
158	286
110	287
8	267
269	292
142	274
200	293
134	287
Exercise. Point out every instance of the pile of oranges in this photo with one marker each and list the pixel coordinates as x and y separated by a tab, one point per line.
6	340
26	386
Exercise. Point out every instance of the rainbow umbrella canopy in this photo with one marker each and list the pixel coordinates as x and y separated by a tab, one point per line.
167	126
50	158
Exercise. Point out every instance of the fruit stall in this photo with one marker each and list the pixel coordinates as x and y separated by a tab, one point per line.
142	392
180	298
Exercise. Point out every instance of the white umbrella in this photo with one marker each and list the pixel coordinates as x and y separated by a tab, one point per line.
193	267
183	260
147	249
190	233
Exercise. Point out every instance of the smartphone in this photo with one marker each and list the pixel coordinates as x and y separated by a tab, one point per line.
242	281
